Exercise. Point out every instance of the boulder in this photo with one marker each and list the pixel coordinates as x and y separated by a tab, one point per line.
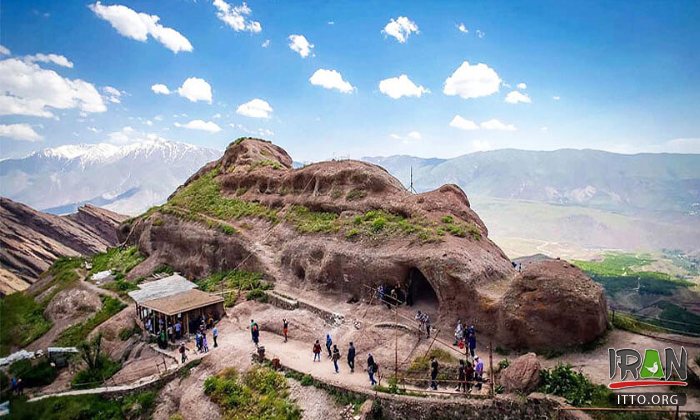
522	375
552	304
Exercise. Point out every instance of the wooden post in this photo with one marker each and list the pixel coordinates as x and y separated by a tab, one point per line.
396	342
491	368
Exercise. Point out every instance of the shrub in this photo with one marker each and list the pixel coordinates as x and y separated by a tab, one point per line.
256	294
355	194
574	386
126	332
99	367
119	260
34	374
307	380
447	219
502	364
352	233
22	321
259	393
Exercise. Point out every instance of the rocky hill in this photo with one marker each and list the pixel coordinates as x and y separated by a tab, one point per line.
32	240
346	227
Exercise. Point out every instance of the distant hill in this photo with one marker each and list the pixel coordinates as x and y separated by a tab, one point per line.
592	178
564	198
127	179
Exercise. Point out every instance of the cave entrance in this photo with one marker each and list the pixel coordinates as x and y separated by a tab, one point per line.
420	293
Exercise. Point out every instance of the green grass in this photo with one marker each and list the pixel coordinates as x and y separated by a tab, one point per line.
132	406
266	163
63	274
355	194
307	221
260	393
203	195
119	260
247	281
615	264
77	333
461	230
628	323
22	321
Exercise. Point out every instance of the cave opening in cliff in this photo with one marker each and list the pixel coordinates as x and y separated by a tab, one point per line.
420	293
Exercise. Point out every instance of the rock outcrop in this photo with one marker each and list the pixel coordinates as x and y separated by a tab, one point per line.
31	240
553	301
522	375
337	227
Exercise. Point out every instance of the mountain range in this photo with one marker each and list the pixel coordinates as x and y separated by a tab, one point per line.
561	202
127	179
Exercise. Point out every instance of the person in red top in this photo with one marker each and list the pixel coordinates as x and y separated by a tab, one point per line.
317	351
285	328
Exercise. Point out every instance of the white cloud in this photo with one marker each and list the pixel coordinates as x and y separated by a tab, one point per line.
265	43
331	22
544	129
400	28
235	17
4	50
23	132
160	89
139	26
495	124
462	28
300	44
463	123
128	135
414	135
515	97
683	145
216	116
396	87
411	137
472	81
556	98
94	129
27	89
330	79
113	94
59	60
208	126
195	89
522	86
480	33
256	108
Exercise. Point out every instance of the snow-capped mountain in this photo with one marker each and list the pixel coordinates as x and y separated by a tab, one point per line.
126	178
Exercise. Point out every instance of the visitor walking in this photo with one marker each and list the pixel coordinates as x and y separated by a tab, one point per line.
469	375
462	377
351	357
256	334
285	328
472	343
182	350
198	341
371	369
215	334
426	321
253	326
434	366
205	344
329	343
317	351
178	330
335	357
479	372
458	332
421	320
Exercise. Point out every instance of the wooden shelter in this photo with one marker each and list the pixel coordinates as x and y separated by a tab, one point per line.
163	303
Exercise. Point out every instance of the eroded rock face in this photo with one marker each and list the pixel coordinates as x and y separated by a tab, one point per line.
523	374
335	227
31	240
553	302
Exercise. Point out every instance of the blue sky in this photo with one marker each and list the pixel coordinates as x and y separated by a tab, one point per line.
619	76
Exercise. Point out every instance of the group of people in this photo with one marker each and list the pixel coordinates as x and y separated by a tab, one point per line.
335	356
200	338
392	296
468	375
465	337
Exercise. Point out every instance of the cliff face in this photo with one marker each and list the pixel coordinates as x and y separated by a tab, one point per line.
337	227
32	240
